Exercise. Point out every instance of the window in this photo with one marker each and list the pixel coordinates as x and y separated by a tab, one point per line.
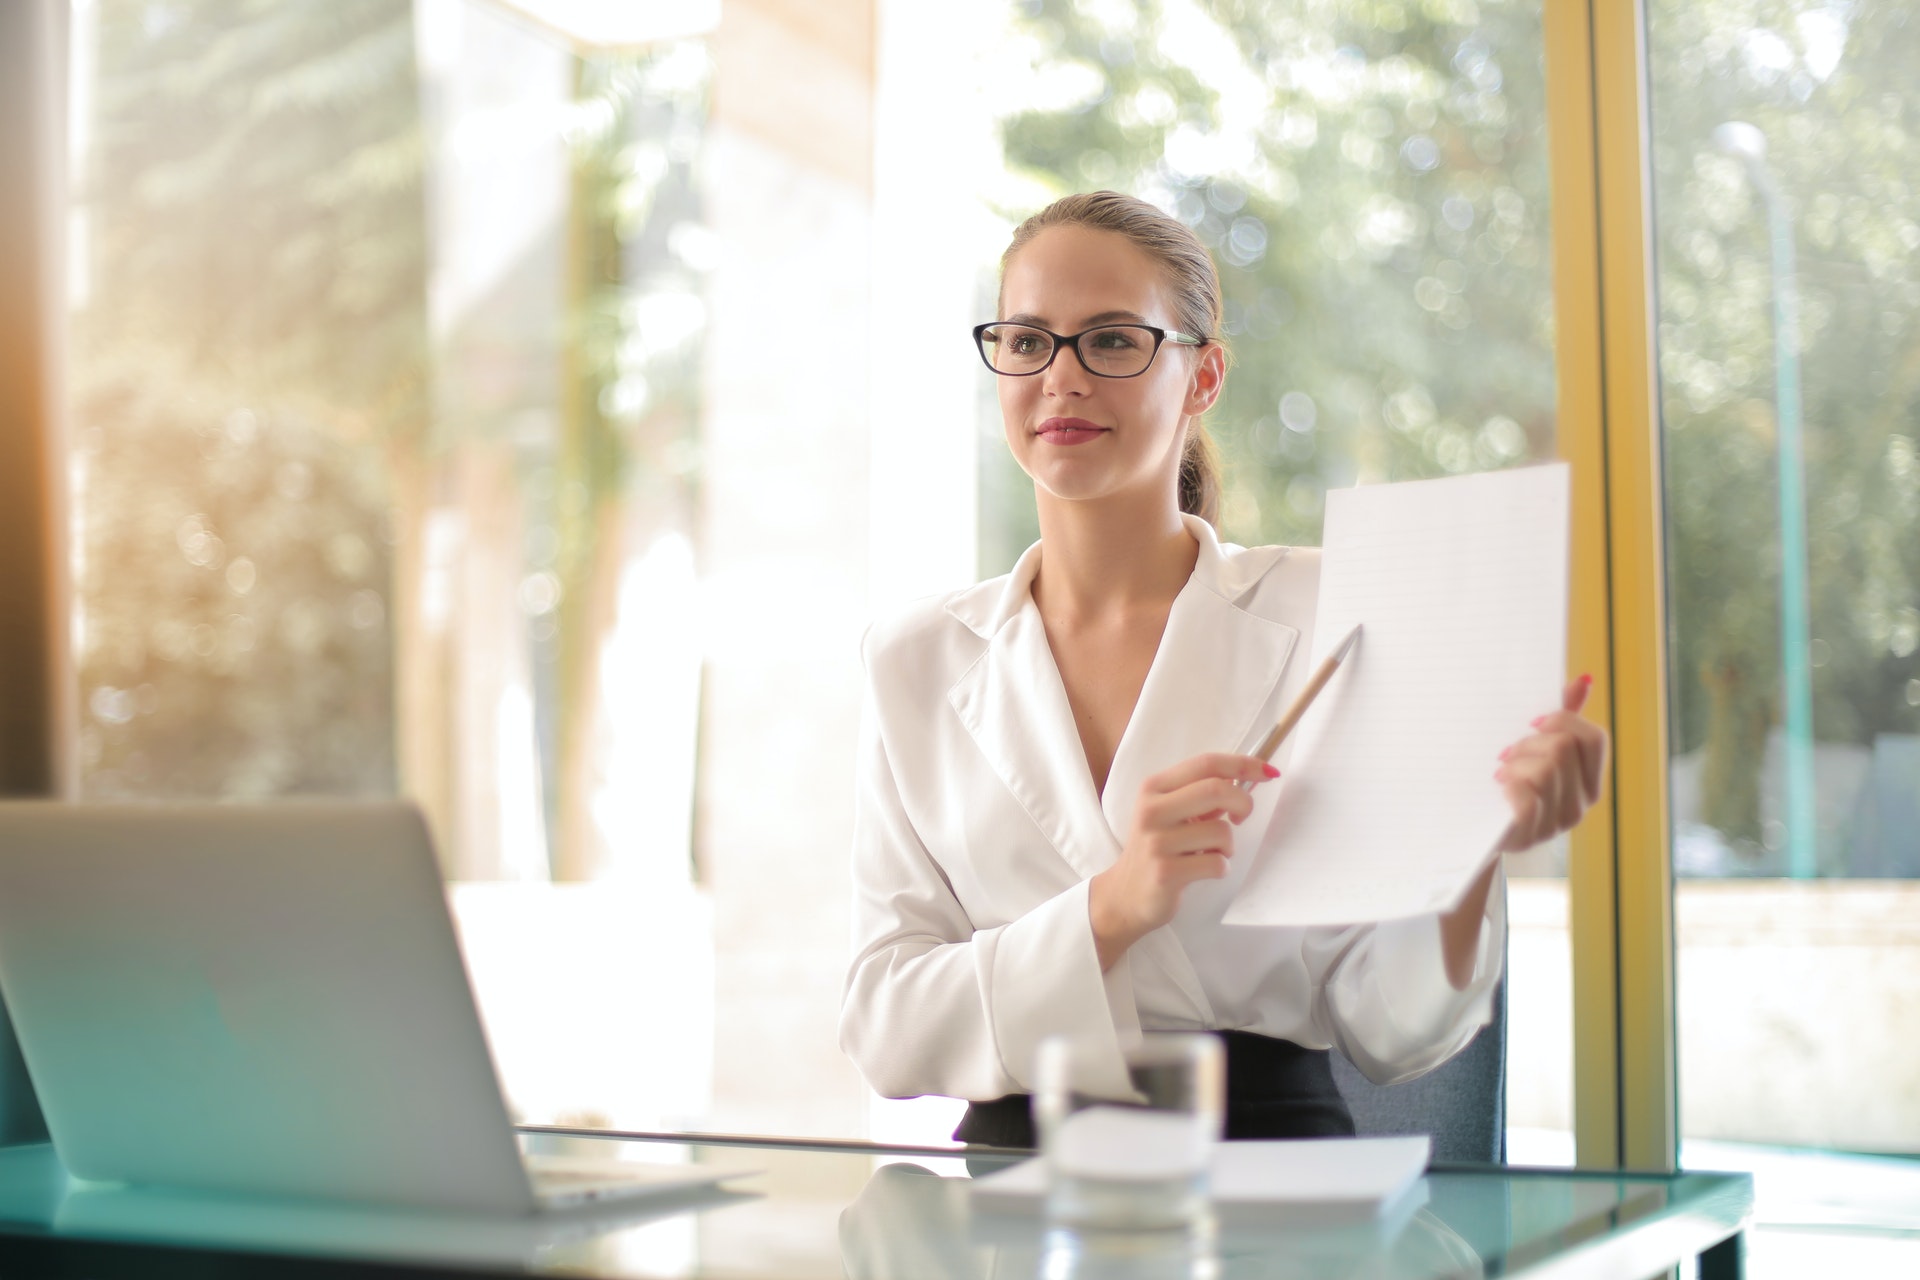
440	427
1789	312
386	337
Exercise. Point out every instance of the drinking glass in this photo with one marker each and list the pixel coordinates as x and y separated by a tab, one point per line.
1136	1161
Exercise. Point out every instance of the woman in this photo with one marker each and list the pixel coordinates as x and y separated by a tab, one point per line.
1050	804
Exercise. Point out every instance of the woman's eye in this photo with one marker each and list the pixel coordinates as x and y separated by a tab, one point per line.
1025	344
1114	340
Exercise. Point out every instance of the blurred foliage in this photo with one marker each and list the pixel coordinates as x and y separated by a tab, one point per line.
1371	177
261	417
1831	87
1372	181
630	378
254	330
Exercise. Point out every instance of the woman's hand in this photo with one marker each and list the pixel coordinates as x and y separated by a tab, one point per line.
1553	775
1182	831
1550	778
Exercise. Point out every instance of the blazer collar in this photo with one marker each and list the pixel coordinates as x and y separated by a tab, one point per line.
1217	670
1214	678
1015	707
1223	569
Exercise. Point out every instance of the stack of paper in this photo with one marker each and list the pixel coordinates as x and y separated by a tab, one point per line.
1323	1181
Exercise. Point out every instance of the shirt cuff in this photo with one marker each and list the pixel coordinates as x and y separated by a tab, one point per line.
1421	1005
1046	980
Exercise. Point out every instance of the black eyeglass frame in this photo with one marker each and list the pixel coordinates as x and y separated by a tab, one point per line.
1064	340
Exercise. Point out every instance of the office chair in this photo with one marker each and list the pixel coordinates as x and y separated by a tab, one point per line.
1462	1103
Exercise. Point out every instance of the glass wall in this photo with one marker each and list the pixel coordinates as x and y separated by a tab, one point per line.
1786	143
387	325
439	429
385	338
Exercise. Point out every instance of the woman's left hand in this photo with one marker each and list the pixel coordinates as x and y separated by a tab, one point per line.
1553	775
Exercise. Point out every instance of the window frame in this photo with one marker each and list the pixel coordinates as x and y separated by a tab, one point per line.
37	687
1620	884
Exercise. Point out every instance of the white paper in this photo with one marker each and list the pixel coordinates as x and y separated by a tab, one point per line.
1131	1143
1355	1171
1389	806
1337	1180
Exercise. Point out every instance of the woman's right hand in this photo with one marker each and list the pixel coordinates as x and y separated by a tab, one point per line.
1182	831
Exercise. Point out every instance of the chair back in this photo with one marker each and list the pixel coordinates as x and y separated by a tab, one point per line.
1462	1102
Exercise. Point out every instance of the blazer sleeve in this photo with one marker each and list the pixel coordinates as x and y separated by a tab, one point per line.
933	1005
1382	995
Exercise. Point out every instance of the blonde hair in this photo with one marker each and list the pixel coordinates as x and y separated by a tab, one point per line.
1194	284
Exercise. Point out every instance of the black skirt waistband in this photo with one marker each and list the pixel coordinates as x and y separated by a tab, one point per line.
1275	1089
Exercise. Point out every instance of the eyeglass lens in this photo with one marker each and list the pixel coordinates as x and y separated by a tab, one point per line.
1113	351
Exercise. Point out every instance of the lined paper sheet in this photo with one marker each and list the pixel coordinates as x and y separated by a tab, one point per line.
1389	806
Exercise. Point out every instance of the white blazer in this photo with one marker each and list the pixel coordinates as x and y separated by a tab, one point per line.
977	827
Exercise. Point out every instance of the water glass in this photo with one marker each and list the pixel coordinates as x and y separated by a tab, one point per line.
1137	1161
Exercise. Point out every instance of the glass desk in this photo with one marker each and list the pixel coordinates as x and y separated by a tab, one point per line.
833	1210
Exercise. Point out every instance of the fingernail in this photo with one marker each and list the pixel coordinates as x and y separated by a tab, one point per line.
1505	752
1537	721
1586	678
1270	771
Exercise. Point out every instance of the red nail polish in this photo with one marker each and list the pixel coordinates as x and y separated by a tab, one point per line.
1586	678
1270	771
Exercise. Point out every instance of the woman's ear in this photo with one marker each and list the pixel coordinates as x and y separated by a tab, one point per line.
1209	375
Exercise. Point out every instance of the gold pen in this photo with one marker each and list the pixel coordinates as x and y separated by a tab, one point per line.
1271	743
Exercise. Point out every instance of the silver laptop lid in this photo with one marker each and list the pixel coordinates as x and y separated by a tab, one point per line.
264	999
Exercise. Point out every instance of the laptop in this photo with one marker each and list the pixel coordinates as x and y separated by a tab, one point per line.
267	1000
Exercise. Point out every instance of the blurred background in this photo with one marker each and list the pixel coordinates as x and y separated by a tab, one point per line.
523	406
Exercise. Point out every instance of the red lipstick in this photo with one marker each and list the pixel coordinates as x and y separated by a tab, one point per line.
1069	431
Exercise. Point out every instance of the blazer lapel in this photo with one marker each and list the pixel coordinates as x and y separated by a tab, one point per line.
1210	688
1015	707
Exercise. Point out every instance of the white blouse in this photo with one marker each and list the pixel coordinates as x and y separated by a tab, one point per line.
977	827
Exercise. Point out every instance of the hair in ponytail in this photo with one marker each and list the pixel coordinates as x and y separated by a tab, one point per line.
1194	286
1200	474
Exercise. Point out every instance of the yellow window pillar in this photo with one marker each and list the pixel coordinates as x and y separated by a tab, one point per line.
1620	882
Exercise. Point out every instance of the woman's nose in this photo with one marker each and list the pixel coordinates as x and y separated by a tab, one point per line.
1066	376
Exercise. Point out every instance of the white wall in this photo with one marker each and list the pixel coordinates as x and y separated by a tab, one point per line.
1797	1008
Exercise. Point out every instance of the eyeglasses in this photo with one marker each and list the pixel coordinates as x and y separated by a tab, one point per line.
1106	351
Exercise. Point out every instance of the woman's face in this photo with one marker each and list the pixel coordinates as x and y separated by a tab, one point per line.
1085	438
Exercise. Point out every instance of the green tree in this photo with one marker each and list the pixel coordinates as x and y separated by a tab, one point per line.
1830	87
629	378
1372	181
